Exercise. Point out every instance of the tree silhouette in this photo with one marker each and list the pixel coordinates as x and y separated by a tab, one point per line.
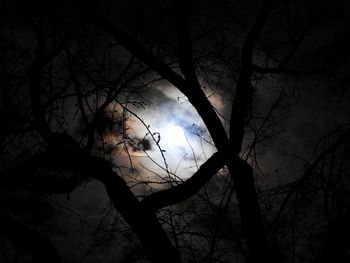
74	74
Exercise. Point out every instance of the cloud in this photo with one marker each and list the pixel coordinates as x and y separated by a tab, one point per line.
160	130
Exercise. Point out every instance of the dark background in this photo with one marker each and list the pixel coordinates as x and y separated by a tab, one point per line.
82	99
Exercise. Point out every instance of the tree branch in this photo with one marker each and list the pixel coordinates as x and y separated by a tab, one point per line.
194	93
185	45
188	188
157	245
245	90
248	204
242	172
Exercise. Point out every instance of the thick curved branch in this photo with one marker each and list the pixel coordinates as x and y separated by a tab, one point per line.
185	45
157	245
245	90
188	188
24	176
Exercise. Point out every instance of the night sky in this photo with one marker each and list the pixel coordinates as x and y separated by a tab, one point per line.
98	90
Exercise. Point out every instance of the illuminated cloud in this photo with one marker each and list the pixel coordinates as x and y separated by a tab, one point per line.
178	138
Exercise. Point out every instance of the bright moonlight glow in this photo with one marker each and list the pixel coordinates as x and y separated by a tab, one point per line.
174	135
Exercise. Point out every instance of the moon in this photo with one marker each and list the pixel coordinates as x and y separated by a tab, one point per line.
174	135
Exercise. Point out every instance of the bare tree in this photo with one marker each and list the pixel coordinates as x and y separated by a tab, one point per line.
72	75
